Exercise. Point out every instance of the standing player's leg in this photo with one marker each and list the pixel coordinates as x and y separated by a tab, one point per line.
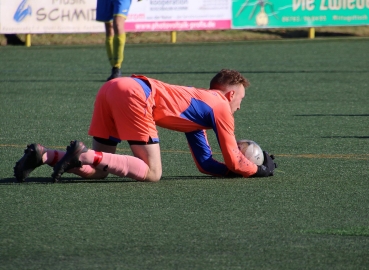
104	13
114	13
109	37
120	13
119	41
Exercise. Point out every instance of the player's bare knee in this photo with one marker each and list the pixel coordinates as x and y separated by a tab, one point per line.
153	176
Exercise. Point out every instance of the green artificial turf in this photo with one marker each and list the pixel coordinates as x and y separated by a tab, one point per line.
307	104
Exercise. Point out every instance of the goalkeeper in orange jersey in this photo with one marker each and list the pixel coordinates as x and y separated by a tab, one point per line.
114	14
130	108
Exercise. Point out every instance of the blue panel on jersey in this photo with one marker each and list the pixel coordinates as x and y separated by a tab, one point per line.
200	113
144	86
199	145
203	155
214	167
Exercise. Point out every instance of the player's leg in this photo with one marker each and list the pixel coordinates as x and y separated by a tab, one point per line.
114	44
104	13
133	123
87	170
119	40
36	155
120	13
145	165
109	39
150	154
102	145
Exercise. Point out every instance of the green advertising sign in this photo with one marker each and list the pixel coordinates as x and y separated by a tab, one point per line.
299	13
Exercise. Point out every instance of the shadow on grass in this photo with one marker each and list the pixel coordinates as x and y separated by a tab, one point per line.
10	181
346	137
302	33
184	177
65	180
331	114
76	180
355	231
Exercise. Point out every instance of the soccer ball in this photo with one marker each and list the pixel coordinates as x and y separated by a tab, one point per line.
251	150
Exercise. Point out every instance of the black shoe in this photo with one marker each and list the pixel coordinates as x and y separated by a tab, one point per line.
70	159
31	159
115	73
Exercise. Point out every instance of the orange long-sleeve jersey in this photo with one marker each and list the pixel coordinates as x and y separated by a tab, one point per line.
193	111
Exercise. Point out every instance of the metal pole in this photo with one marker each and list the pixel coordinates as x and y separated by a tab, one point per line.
28	40
312	32
174	36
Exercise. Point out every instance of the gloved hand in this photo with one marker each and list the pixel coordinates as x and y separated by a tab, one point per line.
267	168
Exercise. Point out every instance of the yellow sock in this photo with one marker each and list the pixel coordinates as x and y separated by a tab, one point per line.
118	49
109	49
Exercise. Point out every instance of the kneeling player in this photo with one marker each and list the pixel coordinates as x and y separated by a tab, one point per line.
130	108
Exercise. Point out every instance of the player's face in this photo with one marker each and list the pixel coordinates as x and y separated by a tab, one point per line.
237	96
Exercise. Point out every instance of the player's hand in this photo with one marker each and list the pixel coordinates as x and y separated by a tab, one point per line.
268	166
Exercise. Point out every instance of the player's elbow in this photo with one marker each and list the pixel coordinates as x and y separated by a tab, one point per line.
202	170
203	167
211	167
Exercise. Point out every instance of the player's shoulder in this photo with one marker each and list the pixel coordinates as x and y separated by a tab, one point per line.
215	96
220	104
215	93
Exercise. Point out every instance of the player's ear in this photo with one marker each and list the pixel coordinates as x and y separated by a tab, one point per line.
229	95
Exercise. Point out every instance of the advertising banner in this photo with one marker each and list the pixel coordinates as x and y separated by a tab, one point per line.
78	16
171	15
299	13
48	16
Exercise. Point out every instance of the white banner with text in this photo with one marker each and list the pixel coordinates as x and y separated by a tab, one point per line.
79	16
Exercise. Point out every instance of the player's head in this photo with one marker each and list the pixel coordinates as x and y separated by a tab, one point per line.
232	84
